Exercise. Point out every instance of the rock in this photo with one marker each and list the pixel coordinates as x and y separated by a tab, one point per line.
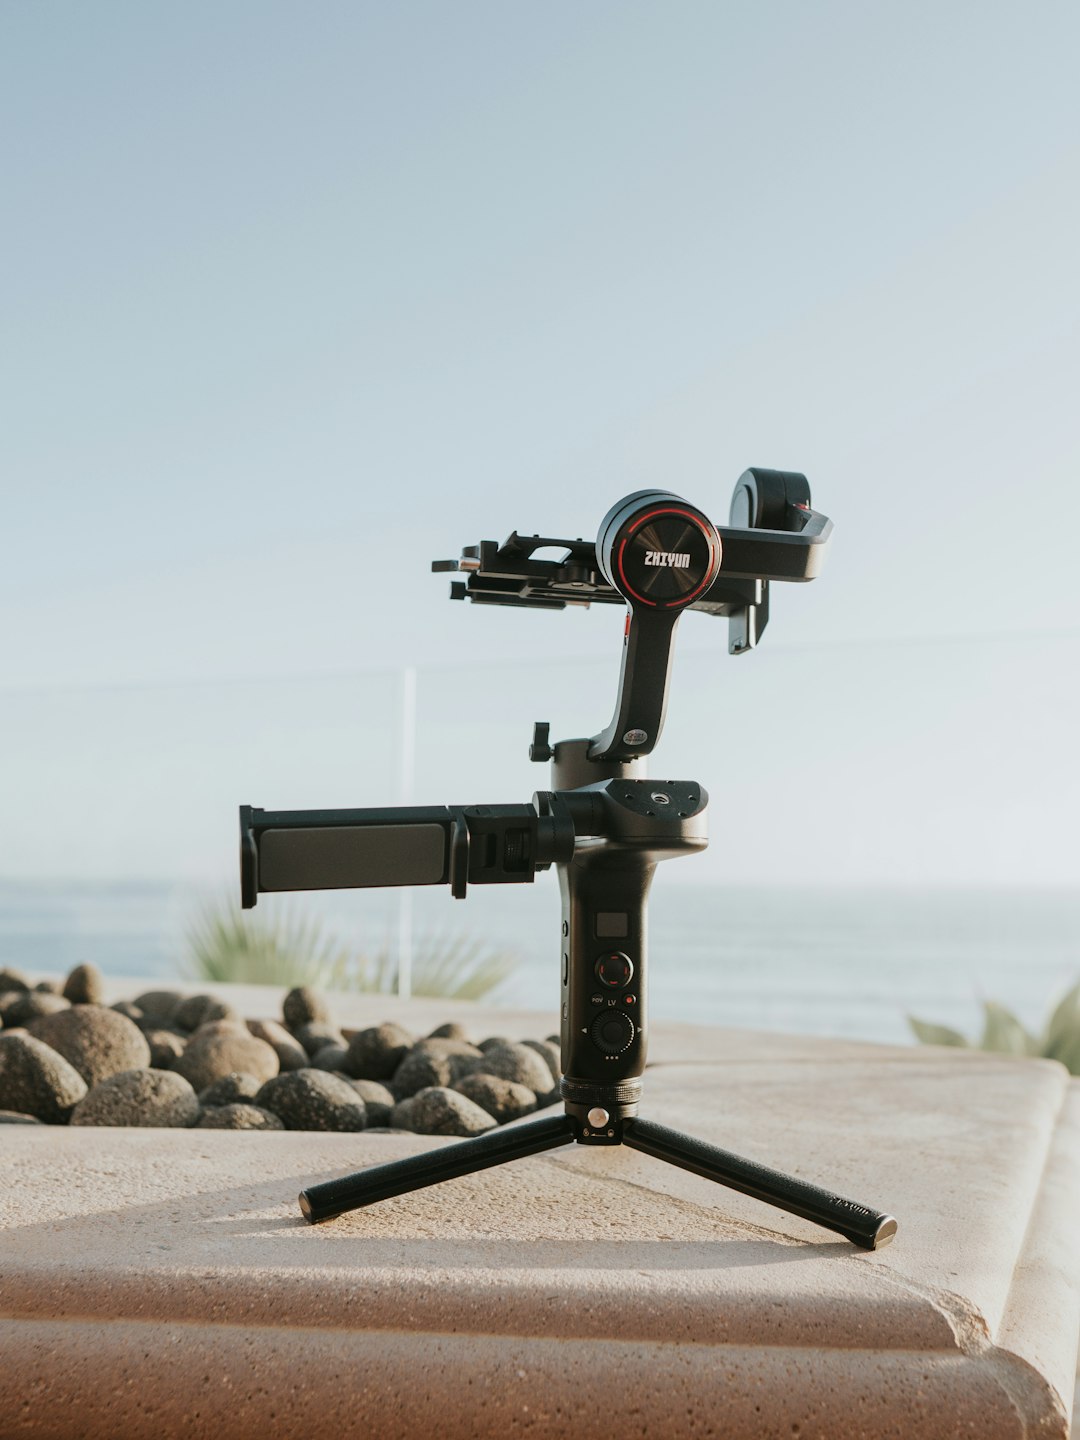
221	1047
434	1063
96	1040
450	1031
13	980
330	1057
290	1053
494	1042
231	1089
502	1099
439	1111
238	1117
303	1006
139	1097
159	1005
317	1033
313	1100
513	1061
198	1010
35	1080
166	1047
30	1004
49	987
439	1045
375	1053
401	1115
377	1099
85	985
551	1054
8	999
12	1117
132	1011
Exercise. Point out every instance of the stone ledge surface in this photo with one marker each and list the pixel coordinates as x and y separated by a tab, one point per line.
161	1283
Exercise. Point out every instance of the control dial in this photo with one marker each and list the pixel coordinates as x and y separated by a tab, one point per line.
615	970
612	1032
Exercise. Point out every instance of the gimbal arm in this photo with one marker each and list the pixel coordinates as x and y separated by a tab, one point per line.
661	554
455	845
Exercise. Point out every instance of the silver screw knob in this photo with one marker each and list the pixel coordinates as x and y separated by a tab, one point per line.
598	1118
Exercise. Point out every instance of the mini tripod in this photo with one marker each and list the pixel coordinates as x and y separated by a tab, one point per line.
602	824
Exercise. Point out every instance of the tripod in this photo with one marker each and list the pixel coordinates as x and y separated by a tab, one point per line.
602	824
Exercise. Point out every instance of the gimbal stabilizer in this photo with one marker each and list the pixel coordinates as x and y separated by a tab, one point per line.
602	824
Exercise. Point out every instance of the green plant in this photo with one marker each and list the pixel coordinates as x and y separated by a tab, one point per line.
1004	1033
229	945
455	967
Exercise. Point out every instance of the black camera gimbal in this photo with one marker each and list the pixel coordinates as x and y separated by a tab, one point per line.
602	824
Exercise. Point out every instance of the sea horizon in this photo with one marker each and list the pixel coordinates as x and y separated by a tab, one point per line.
849	960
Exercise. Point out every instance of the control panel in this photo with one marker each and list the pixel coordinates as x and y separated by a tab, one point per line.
604	891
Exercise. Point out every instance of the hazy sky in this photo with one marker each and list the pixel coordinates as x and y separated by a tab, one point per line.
298	297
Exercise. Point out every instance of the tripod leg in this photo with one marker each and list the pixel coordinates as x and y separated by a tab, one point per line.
864	1227
397	1177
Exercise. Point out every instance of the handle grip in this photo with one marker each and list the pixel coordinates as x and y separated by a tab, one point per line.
402	845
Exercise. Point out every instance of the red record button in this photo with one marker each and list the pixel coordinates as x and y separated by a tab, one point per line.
615	970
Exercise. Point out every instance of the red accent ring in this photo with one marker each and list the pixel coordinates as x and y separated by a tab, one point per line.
710	574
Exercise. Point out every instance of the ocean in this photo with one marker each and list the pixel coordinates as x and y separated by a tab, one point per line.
844	962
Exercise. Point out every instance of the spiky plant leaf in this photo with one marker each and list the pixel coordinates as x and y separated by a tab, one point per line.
1003	1032
453	967
230	946
1062	1033
928	1034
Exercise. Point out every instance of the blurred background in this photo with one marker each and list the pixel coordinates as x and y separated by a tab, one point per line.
299	298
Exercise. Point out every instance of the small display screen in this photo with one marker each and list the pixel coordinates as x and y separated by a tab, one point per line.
612	924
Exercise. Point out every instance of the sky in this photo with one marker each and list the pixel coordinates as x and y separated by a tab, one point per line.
297	298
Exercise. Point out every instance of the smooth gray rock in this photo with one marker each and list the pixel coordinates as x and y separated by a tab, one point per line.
502	1099
96	1040
132	1011
317	1033
442	1045
494	1042
517	1062
140	1097
85	985
166	1047
313	1100
30	1004
49	987
12	1117
377	1099
375	1053
304	1006
440	1111
12	980
290	1053
35	1080
330	1057
401	1115
199	1010
450	1031
159	1005
238	1117
222	1047
434	1062
551	1054
9	999
233	1089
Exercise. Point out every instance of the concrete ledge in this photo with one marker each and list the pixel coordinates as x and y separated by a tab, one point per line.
161	1283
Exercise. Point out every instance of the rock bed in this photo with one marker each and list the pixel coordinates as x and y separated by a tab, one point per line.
192	1061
